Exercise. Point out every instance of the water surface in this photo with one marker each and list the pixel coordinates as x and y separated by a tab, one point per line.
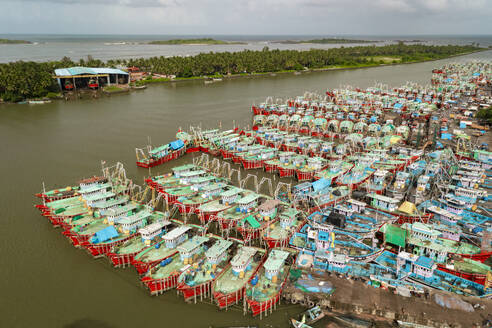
44	281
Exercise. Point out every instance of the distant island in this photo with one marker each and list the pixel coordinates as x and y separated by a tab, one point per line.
9	41
327	40
193	41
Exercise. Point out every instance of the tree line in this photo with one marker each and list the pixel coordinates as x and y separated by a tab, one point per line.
24	80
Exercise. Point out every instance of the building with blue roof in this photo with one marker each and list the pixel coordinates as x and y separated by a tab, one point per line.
73	78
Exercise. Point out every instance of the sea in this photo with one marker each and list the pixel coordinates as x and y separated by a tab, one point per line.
46	47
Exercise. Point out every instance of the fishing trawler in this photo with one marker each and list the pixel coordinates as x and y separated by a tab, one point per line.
194	282
405	212
380	179
278	233
226	200
357	176
264	290
230	286
335	169
313	166
123	254
159	155
162	249
164	275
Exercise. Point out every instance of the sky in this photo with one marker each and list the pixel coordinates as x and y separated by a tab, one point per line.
247	17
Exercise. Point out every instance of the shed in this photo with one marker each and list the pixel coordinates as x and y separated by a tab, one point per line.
73	78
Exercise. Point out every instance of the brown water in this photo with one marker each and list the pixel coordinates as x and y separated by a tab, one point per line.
45	282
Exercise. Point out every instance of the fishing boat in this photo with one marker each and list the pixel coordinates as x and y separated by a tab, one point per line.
400	186
278	233
252	225
226	200
405	212
256	160
71	191
290	163
206	194
123	254
159	155
195	282
357	176
264	290
334	170
468	269
163	248
93	84
377	184
313	165
126	228
164	275
229	287
68	85
311	316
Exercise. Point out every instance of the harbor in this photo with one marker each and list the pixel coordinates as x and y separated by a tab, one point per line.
385	186
107	143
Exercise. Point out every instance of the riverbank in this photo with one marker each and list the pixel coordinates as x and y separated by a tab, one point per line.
298	72
29	80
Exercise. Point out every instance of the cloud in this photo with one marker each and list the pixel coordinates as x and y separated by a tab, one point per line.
322	17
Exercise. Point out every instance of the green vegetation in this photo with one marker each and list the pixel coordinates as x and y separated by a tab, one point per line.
193	41
485	114
327	41
27	80
113	88
9	41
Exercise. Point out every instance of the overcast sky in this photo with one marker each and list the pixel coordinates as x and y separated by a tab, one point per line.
321	17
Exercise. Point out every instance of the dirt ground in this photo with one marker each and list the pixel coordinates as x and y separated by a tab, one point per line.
360	294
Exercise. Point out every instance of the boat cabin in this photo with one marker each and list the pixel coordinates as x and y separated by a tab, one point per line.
344	210
93	199
285	157
327	260
422	183
443	215
356	205
187	177
189	248
274	263
269	208
230	196
153	230
420	266
201	182
316	163
241	262
132	222
423	267
176	236
382	202
177	171
212	190
218	252
160	151
91	182
421	231
97	188
114	214
247	203
106	204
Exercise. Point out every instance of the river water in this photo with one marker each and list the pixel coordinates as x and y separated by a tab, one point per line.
54	47
44	281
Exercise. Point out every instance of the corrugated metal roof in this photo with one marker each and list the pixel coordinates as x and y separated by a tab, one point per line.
73	71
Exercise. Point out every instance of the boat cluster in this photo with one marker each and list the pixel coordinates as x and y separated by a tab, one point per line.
372	202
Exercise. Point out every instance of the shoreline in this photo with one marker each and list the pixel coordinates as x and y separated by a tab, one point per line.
144	83
323	69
